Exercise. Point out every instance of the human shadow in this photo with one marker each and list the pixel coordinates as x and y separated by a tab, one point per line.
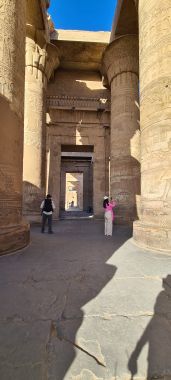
158	336
82	287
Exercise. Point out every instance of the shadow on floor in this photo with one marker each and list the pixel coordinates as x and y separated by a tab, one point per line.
52	281
158	337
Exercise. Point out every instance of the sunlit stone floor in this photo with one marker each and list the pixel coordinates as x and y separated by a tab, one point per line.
77	305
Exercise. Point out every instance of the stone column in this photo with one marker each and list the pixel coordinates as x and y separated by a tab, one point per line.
55	173
121	65
99	175
14	233
41	60
154	228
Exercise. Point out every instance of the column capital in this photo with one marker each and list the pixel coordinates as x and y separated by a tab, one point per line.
52	61
121	56
44	59
37	35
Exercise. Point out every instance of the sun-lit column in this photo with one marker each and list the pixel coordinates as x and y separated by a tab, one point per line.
154	228
98	177
54	173
41	60
14	233
120	63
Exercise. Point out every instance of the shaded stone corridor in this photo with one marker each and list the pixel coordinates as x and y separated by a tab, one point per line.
78	286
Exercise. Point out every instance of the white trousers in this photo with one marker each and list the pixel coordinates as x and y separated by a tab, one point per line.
108	223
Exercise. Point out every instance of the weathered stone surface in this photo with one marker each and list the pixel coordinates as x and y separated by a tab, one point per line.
154	228
79	119
42	58
121	65
13	232
105	295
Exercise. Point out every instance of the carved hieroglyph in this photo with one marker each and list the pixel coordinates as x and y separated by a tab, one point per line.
121	65
40	62
154	228
13	232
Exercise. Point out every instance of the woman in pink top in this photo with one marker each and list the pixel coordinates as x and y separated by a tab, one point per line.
109	215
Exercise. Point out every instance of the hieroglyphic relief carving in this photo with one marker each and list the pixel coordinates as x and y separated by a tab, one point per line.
120	63
78	103
7	10
41	61
12	36
14	232
155	122
42	58
121	56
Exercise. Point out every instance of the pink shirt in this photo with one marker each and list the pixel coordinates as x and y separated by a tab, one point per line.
110	207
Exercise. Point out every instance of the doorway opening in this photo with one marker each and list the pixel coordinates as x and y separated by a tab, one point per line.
76	190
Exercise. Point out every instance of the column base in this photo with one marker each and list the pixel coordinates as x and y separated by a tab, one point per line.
33	217
152	237
14	238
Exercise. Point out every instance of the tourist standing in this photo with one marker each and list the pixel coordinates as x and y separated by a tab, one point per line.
47	207
108	215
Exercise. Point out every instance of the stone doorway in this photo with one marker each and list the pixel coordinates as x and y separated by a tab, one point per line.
76	189
74	192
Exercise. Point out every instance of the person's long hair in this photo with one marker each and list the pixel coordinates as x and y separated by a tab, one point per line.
105	203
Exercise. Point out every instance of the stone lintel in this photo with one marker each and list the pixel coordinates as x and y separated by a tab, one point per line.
78	103
121	56
76	55
81	36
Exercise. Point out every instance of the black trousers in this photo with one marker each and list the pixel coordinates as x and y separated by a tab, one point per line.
49	219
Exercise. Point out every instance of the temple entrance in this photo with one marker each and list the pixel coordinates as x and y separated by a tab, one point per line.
76	190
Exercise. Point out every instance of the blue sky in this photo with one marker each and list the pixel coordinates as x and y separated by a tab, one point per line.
83	14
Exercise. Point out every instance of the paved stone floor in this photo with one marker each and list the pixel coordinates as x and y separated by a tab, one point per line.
77	305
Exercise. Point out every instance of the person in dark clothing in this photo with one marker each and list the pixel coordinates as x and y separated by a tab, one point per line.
47	207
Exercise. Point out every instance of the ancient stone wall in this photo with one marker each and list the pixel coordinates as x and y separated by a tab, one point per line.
79	115
77	83
84	167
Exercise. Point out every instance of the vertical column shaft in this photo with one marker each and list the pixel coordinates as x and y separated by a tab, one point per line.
55	173
40	62
121	65
35	128
99	176
14	233
154	228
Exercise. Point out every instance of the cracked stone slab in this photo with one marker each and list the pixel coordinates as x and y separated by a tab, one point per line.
104	291
94	349
86	375
23	350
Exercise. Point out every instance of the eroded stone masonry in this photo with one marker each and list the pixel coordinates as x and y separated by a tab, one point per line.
96	104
